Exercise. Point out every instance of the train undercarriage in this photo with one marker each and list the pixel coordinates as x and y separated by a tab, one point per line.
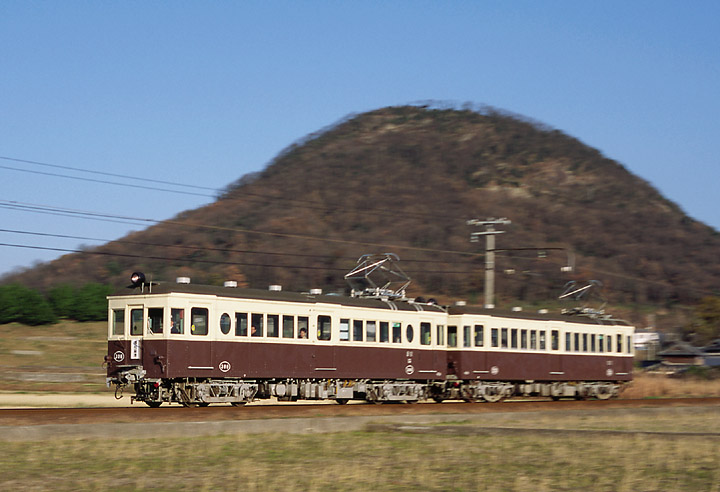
191	392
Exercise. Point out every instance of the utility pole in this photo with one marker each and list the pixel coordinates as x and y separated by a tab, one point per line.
489	234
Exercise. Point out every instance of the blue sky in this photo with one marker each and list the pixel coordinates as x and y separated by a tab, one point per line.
201	93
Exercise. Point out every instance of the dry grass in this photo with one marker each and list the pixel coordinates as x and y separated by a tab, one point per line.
366	461
660	386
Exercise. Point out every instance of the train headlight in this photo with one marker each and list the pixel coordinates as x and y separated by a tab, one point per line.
137	279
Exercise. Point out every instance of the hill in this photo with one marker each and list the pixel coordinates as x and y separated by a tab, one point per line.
406	179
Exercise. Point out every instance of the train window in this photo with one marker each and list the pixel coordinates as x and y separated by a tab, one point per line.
384	331
577	342
324	327
303	323
440	334
452	336
136	321
479	336
618	345
592	343
199	317
177	321
555	339
494	337
155	320
409	333
601	343
629	345
584	342
241	324
467	339
288	326
568	342
358	330
504	338
344	330
533	339
523	339
370	331
608	343
256	325
118	323
425	333
514	338
542	339
225	323
273	325
396	333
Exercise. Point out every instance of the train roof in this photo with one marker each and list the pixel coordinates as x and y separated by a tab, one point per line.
534	315
282	296
366	302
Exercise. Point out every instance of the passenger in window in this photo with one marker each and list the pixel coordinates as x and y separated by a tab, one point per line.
253	331
303	333
173	328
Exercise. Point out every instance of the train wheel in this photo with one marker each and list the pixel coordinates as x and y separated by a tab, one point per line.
153	404
438	399
341	401
238	403
203	404
492	398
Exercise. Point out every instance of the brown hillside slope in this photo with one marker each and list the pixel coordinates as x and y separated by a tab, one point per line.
406	179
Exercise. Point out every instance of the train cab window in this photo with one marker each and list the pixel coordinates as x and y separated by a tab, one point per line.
136	322
344	330
425	334
358	330
273	325
542	339
118	322
555	339
409	333
396	333
241	324
257	326
533	339
467	339
370	331
225	323
513	338
177	321
479	335
199	318
440	335
494	341
324	327
523	339
629	345
504	338
452	336
303	327
288	326
384	331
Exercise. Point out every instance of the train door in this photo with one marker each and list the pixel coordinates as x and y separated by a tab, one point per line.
198	353
554	341
137	322
324	353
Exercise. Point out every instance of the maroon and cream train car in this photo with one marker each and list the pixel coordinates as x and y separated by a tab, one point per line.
197	345
498	354
200	344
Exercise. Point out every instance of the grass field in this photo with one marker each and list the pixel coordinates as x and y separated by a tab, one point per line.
385	461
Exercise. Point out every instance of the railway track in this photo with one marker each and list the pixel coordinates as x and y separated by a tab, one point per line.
88	416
